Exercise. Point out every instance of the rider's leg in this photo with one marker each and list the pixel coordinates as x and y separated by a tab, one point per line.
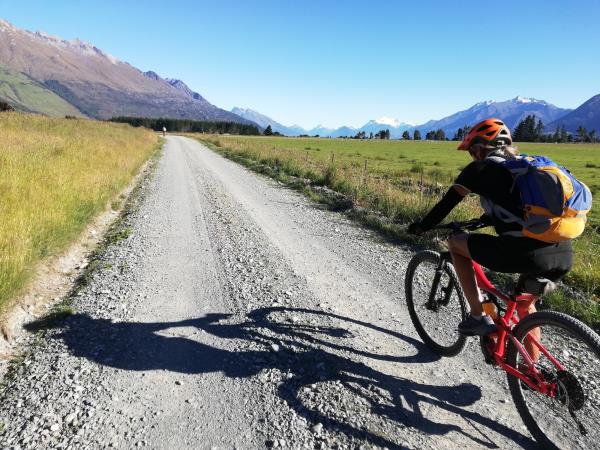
463	264
524	309
477	323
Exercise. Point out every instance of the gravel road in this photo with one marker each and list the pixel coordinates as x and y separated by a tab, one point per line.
237	314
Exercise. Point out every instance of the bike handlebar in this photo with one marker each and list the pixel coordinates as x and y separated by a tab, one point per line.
457	227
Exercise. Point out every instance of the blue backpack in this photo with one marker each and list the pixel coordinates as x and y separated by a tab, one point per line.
555	203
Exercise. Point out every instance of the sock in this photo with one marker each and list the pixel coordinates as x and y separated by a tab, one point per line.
480	295
488	320
478	317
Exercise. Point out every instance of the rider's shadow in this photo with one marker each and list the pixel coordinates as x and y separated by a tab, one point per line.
304	357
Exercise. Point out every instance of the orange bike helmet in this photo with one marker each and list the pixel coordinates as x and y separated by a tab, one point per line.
489	132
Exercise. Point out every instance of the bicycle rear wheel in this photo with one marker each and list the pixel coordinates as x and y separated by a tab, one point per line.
436	317
572	418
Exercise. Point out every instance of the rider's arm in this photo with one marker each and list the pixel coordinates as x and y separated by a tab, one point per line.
463	185
452	198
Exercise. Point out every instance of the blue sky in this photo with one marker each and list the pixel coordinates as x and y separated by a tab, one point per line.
343	63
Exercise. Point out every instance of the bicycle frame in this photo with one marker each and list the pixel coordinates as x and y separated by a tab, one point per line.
535	379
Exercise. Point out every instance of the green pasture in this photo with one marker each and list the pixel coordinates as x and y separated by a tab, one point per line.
439	161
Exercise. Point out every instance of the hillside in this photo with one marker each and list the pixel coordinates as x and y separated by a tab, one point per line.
97	83
264	121
586	115
27	95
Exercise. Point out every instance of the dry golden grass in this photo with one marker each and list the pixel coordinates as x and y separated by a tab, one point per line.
55	176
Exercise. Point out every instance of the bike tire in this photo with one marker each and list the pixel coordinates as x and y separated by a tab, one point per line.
550	319
457	341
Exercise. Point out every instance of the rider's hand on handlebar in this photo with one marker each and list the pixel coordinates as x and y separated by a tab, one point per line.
486	220
415	228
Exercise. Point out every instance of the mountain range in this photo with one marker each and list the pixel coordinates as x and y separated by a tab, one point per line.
28	95
263	121
372	126
511	111
45	74
94	83
587	115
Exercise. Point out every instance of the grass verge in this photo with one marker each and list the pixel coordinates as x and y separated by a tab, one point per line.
57	175
118	231
387	201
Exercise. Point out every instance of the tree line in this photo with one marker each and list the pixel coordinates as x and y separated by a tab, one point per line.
189	126
6	107
529	129
381	134
269	132
532	130
385	134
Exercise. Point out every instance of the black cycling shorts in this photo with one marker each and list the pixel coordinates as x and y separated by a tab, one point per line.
509	254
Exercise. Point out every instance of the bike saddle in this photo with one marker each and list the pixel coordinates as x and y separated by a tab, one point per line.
535	285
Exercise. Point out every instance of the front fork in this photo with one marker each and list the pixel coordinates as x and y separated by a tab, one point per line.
433	303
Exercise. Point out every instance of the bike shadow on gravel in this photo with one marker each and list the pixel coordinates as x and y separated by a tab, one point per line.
309	356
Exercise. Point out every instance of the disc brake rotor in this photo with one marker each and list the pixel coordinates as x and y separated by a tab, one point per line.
569	391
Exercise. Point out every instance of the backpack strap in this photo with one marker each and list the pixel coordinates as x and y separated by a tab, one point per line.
498	211
506	216
516	172
503	215
495	157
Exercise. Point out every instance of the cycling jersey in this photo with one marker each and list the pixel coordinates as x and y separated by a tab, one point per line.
489	180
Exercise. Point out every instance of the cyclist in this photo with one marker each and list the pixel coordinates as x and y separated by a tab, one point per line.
508	252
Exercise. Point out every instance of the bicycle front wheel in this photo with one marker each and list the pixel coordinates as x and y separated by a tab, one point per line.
570	417
435	307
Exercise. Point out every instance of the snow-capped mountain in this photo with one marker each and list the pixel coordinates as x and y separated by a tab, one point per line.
510	111
388	121
296	130
343	132
395	126
320	130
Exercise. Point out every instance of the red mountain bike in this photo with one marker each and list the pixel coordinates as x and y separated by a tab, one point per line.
552	360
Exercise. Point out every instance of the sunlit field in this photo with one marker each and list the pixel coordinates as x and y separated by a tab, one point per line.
55	176
438	160
403	179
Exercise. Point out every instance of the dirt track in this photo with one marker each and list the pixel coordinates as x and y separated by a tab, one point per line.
237	314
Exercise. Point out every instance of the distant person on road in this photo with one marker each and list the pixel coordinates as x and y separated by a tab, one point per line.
488	142
164	130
